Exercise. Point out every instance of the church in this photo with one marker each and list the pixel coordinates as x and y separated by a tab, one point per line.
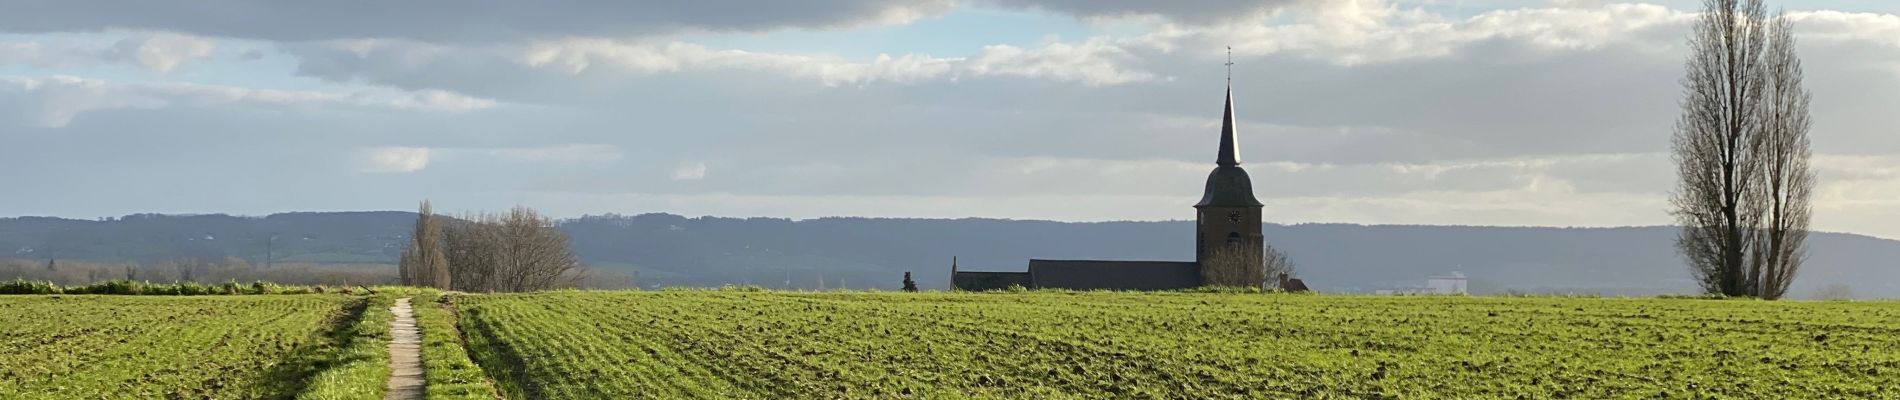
1227	239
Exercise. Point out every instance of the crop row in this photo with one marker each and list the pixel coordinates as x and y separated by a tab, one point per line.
166	347
711	344
449	372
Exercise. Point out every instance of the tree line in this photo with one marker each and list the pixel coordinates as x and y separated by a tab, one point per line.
194	270
517	251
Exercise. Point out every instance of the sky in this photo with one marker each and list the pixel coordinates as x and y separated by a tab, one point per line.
1473	112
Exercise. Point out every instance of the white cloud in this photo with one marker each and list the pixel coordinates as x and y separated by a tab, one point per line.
1187	11
461	21
161	52
427	99
1093	63
164	51
691	171
392	159
1355	32
61	98
575	55
23	53
1882	29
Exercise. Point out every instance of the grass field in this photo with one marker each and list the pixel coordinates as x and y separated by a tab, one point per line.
154	347
1043	345
725	344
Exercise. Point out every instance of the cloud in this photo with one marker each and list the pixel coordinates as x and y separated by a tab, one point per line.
691	171
1092	63
59	99
458	21
1880	29
160	52
1355	32
31	53
576	56
392	159
164	51
1200	12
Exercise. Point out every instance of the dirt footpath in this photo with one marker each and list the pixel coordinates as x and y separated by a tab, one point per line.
405	354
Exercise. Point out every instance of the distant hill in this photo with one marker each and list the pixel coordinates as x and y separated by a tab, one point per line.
874	252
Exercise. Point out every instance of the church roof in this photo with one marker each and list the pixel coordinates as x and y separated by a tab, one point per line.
985	280
1115	275
1228	185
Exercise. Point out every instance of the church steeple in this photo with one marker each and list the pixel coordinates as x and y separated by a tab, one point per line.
1227	234
1228	184
1229	147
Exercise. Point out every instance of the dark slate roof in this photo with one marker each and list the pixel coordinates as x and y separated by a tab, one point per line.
1115	275
1228	186
976	280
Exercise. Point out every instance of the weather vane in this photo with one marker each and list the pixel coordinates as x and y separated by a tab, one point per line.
1230	65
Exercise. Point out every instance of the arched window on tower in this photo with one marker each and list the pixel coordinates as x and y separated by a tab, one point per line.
1233	237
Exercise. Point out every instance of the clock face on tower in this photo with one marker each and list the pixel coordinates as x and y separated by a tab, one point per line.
1233	217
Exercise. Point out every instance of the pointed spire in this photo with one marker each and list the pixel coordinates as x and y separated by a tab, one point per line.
1229	147
953	272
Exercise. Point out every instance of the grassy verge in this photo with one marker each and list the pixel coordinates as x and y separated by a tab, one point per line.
445	364
358	367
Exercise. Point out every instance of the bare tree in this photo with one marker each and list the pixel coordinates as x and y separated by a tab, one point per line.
472	251
407	263
1276	264
537	256
516	252
1234	265
1788	177
1741	153
434	266
424	263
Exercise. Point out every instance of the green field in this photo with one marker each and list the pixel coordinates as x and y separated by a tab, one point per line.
1042	345
711	344
225	347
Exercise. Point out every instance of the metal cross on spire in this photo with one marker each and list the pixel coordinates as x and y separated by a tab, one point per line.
1230	65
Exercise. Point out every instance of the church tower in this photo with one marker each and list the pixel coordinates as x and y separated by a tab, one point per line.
1227	230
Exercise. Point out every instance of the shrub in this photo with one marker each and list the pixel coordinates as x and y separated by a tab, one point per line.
742	288
20	286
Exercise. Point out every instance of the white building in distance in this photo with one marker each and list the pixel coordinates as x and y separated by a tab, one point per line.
1447	284
1453	283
